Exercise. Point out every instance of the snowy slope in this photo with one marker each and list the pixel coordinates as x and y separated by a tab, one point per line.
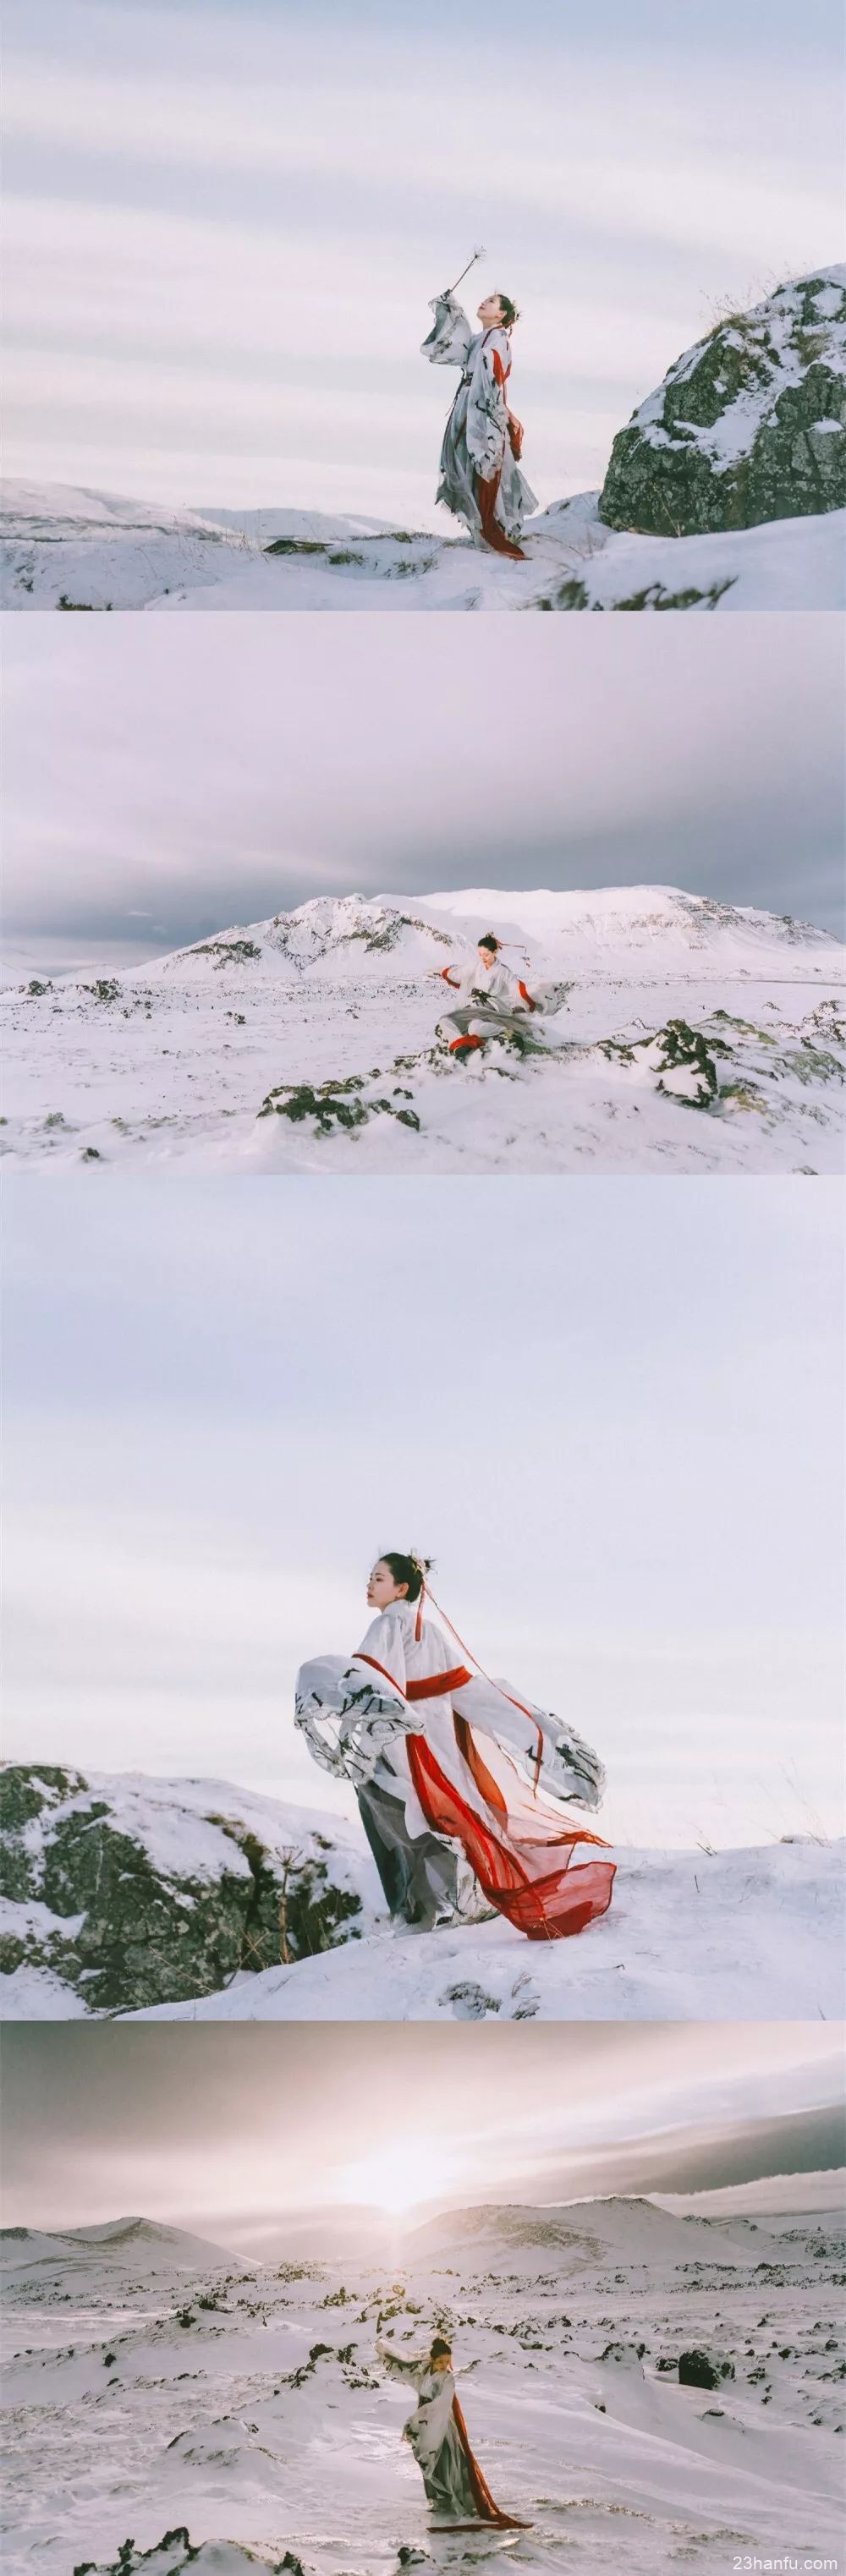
210	1058
252	2410
113	1870
65	548
690	1936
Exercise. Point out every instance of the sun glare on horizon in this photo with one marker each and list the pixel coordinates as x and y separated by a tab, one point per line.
401	2176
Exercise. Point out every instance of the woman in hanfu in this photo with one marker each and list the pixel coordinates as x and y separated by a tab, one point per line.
480	476
491	1001
458	1778
437	2434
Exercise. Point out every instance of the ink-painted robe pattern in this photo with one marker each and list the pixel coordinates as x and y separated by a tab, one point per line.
476	443
472	1759
437	2436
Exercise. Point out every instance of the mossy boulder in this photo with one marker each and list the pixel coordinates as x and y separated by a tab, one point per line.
137	1892
749	425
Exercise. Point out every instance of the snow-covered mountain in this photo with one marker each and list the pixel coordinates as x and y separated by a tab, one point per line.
674	1033
639	2388
199	1901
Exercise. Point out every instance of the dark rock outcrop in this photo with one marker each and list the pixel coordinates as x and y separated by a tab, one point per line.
138	1892
703	2370
749	425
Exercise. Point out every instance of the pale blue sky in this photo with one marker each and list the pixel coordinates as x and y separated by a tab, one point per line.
611	1412
224	225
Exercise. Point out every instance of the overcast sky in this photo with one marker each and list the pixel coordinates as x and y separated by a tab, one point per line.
610	1411
154	793
244	2127
226	219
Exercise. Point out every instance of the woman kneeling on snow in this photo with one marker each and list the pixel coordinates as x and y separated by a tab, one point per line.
460	1783
491	1001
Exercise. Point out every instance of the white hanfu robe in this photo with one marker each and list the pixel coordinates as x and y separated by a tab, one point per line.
480	478
405	1715
437	2435
489	1001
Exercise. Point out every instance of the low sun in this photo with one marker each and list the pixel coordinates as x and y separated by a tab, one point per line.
399	2176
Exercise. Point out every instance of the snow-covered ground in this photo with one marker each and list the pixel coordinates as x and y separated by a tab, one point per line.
690	1936
68	549
151	2385
153	1868
171	1065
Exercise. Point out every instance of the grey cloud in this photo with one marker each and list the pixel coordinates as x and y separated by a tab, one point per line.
279	757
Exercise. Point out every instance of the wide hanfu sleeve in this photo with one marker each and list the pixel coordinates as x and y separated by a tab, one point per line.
457	978
448	342
351	1707
547	1747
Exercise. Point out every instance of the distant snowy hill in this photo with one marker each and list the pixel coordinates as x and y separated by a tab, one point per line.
673	1033
141	2246
780	2197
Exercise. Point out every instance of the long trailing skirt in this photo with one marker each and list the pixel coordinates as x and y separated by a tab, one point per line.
523	1856
502	499
455	2486
461	1780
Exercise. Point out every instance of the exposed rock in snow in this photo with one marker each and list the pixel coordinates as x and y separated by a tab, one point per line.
309	1041
703	2370
132	1891
174	2551
748	426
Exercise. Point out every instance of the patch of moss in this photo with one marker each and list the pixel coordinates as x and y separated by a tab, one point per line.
570	594
654	595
